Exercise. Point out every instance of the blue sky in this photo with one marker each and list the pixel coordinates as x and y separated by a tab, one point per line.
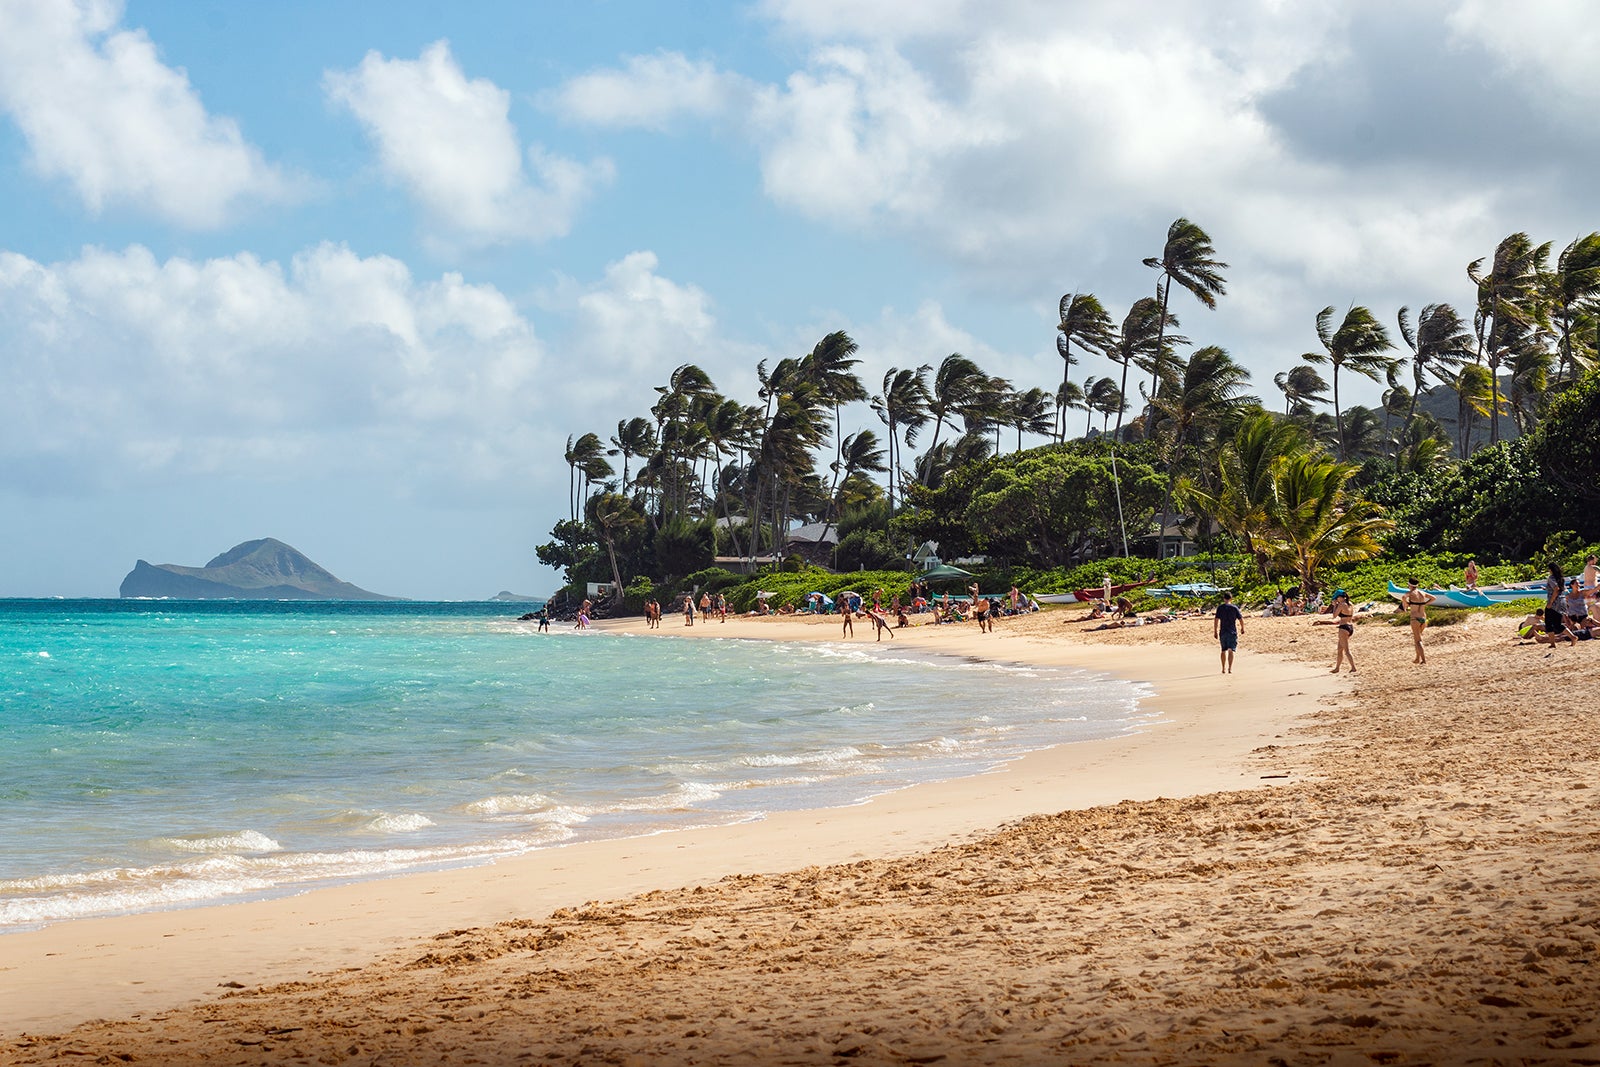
348	275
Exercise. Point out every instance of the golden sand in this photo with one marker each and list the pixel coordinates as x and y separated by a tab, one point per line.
1396	867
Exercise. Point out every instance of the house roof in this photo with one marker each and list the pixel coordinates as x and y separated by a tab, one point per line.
813	533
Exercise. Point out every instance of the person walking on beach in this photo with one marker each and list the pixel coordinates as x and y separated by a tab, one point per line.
688	609
980	609
1344	615
1226	626
1416	601
849	619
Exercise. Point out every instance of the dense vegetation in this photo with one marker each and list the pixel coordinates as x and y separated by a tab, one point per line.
1301	494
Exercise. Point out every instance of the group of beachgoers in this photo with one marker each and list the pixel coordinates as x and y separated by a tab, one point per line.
1568	615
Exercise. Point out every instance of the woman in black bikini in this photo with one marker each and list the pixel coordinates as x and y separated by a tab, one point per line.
1344	614
1416	602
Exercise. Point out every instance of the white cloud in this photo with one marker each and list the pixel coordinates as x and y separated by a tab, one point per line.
140	368
1551	42
102	112
651	91
450	143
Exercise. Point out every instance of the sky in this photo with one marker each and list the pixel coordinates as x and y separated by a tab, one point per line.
349	275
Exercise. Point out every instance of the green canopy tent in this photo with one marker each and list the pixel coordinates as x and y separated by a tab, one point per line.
944	573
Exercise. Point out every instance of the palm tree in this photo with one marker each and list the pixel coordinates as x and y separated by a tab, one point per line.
1139	341
1439	343
1102	395
1573	289
1033	411
587	459
1509	297
1364	435
1302	386
613	515
1070	397
957	384
1358	343
1207	391
1189	260
859	453
1245	473
1473	398
635	437
1313	523
1085	321
903	407
828	368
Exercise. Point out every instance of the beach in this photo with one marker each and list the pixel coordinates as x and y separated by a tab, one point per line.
1398	866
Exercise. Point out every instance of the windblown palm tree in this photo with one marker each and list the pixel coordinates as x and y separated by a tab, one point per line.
635	437
1139	341
1510	298
1102	395
903	407
1573	289
1302	386
1189	260
1474	398
957	385
1358	344
1207	392
1032	411
1439	344
1084	321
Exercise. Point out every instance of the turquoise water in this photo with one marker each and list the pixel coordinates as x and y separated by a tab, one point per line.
162	753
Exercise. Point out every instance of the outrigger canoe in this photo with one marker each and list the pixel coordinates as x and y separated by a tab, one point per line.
1089	596
1452	597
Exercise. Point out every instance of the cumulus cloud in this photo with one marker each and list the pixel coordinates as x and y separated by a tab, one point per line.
650	92
100	111
450	143
134	367
1334	155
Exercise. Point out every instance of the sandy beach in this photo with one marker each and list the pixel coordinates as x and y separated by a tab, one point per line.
1400	867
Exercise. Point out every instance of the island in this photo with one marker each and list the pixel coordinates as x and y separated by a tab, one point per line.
265	569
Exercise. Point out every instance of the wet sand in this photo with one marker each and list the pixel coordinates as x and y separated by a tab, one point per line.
1401	866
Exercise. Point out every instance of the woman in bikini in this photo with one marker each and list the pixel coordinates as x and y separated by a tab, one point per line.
1344	615
1416	602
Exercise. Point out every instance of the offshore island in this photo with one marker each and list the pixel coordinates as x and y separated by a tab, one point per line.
264	569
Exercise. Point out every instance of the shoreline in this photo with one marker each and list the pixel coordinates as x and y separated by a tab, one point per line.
154	962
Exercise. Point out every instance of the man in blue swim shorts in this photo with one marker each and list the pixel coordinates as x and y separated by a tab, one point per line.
1225	627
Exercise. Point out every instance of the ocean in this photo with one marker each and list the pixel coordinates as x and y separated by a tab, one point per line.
158	754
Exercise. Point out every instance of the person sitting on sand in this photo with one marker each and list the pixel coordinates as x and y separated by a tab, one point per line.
1416	602
1097	610
900	620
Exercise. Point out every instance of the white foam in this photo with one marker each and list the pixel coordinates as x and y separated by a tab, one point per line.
510	804
399	824
240	841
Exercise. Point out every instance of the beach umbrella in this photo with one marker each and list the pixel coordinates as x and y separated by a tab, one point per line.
945	572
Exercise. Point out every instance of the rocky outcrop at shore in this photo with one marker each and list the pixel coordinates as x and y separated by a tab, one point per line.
266	569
